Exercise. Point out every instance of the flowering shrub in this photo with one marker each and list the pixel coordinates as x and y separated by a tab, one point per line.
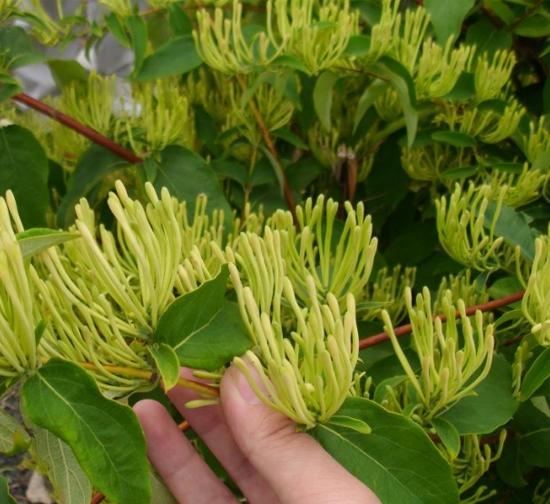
279	185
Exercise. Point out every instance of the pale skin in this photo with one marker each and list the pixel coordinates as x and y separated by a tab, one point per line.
270	461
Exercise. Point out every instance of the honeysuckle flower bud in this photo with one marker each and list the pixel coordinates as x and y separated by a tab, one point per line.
439	68
410	36
316	33
18	316
464	234
473	462
387	288
122	8
157	115
462	286
223	46
453	362
536	144
7	8
428	162
536	302
91	102
304	364
104	293
310	250
492	74
518	188
383	33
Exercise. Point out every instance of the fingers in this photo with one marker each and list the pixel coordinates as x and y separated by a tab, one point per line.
293	463
187	476
209	423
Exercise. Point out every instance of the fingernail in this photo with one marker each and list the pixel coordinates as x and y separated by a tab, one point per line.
248	395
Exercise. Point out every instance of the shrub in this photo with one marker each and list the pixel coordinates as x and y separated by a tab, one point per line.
309	174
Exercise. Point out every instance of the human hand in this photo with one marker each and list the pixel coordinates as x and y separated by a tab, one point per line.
260	448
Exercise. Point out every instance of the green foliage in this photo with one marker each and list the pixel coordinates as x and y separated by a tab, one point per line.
415	142
63	399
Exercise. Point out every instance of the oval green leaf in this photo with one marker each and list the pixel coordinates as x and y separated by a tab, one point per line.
35	240
105	436
397	461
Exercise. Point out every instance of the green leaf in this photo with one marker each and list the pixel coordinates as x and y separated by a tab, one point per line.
138	35
57	461
447	17
117	29
454	138
322	97
347	422
358	46
537	374
448	434
186	175
369	96
513	226
393	71
511	466
13	436
105	436
491	407
535	447
24	170
17	47
5	495
205	330
93	167
287	135
167	364
461	172
35	240
536	25
397	461
8	87
179	20
66	72
177	57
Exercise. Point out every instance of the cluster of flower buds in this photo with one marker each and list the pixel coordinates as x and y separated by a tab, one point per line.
305	350
338	258
122	8
19	321
315	32
536	302
492	74
464	233
455	355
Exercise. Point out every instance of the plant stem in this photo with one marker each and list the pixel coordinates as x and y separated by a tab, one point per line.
376	339
70	122
148	375
287	191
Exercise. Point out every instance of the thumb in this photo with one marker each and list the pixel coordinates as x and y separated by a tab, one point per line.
297	468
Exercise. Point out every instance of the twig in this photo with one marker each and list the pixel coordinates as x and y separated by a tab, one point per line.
70	122
287	191
148	375
97	498
376	339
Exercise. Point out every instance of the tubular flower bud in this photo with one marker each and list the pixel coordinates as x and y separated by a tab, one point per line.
103	294
223	46
455	356
122	8
492	74
387	290
340	268
302	366
536	302
18	316
317	33
464	233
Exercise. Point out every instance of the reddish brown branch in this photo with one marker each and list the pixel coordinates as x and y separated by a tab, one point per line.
376	339
72	123
97	498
